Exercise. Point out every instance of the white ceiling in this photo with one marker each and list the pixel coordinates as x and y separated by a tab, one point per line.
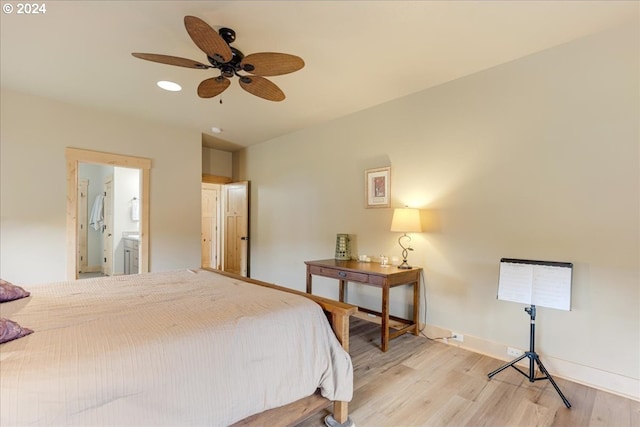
357	53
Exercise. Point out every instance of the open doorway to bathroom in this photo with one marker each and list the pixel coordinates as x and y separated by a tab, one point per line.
108	220
134	202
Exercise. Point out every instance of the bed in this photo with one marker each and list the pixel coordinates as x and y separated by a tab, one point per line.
193	347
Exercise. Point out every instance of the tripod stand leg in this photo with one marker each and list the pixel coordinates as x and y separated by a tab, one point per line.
503	367
532	355
548	376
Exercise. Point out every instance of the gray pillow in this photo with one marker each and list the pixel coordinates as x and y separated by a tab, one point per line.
10	330
10	292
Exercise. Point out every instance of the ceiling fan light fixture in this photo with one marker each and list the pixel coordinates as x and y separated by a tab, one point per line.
227	34
229	61
170	86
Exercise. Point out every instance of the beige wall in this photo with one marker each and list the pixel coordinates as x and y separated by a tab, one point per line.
216	162
534	159
35	132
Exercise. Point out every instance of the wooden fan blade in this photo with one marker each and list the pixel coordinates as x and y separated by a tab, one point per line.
259	86
207	39
171	60
271	63
212	87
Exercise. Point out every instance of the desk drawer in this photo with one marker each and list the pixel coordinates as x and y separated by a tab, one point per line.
339	274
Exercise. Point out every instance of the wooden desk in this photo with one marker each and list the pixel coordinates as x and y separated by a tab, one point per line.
373	274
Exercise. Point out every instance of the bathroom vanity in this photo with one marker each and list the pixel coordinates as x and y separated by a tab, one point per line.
131	253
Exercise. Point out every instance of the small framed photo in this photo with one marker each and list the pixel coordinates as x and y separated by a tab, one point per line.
378	187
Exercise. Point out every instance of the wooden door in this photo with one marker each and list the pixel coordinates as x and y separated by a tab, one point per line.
83	203
107	230
236	228
209	232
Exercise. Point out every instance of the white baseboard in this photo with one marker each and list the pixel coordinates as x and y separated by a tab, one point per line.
586	375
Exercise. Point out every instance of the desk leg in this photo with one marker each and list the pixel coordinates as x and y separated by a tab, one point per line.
416	307
343	285
308	281
384	338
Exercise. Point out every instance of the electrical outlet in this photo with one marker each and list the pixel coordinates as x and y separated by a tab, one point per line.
514	352
457	337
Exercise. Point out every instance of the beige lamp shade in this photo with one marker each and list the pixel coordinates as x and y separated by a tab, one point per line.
406	220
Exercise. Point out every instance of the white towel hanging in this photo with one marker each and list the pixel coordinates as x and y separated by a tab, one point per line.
96	220
135	209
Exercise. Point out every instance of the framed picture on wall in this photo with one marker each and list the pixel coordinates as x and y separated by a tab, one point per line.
378	187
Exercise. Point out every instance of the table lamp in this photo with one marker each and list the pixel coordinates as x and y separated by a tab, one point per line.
406	220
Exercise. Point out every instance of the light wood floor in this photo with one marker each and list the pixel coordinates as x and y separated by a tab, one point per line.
420	382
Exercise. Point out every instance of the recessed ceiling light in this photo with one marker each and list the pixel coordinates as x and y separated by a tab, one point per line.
216	130
170	86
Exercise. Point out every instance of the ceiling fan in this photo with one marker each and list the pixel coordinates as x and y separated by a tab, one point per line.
231	62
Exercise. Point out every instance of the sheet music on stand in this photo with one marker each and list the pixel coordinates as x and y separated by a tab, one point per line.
543	283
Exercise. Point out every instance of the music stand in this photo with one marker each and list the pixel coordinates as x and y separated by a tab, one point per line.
533	357
543	283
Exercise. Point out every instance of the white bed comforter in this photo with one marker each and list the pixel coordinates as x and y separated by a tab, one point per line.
179	348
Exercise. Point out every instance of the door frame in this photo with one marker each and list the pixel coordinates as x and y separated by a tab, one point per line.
74	156
107	239
215	232
221	237
83	222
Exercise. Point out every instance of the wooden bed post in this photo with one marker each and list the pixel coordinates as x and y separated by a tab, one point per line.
340	414
340	325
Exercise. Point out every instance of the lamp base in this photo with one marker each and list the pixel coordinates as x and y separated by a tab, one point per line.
404	266
405	253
